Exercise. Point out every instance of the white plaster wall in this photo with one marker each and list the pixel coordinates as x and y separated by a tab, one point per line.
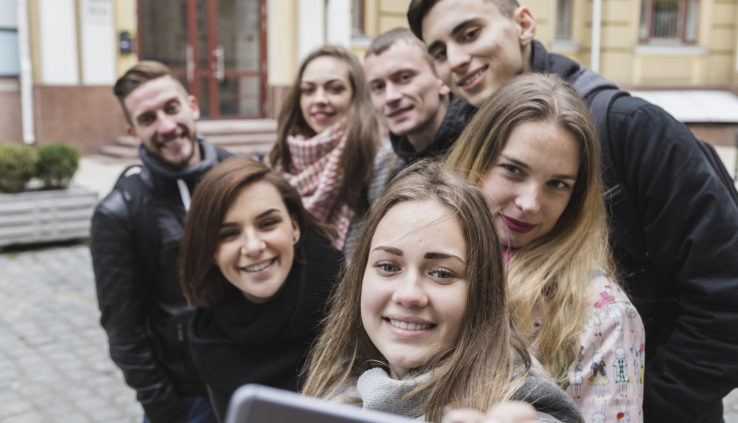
58	42
98	42
310	27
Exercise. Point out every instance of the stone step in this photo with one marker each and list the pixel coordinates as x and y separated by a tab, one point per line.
119	151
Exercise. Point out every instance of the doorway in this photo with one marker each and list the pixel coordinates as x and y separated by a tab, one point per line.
217	48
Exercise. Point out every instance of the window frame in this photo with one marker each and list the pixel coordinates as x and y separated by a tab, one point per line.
646	26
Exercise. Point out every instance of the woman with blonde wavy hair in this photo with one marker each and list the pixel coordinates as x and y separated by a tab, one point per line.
329	143
420	322
533	150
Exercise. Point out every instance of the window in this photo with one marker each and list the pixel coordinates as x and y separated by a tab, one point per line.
669	20
9	56
563	19
357	16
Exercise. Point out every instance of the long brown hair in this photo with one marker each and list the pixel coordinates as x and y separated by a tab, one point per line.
489	360
562	262
362	130
202	282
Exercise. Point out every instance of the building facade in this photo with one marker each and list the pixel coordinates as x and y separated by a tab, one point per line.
60	58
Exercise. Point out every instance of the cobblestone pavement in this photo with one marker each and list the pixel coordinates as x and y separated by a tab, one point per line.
54	363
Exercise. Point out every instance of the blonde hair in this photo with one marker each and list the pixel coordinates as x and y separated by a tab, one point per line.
488	362
551	273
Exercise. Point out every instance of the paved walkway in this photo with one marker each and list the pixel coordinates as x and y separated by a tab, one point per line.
54	363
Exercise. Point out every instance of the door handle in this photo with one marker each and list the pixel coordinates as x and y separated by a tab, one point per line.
219	71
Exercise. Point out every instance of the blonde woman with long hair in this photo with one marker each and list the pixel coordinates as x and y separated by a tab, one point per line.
420	323
533	150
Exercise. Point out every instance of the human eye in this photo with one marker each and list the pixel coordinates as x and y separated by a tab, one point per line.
439	54
269	223
442	274
227	233
307	89
405	77
386	267
376	87
145	119
511	169
470	35
559	184
172	107
336	88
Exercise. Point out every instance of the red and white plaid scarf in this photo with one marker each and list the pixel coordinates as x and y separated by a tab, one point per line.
316	174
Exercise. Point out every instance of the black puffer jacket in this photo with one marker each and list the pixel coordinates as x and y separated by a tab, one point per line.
684	277
141	304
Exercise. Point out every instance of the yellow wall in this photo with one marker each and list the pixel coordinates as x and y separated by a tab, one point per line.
125	20
281	41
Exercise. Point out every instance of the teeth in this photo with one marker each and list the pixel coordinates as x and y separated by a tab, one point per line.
473	77
409	326
258	266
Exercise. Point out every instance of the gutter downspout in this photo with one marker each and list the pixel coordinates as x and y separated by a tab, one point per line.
26	75
596	32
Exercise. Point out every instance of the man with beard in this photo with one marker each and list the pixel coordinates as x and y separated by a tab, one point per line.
135	237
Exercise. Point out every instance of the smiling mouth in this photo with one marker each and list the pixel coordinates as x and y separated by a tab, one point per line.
397	112
322	115
409	326
517	225
259	266
471	79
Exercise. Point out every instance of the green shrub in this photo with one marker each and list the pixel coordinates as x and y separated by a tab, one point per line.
17	166
57	164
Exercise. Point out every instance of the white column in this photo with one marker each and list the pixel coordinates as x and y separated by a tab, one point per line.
310	26
26	74
596	31
339	22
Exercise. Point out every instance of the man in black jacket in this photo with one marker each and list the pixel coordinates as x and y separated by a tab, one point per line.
423	117
680	258
136	231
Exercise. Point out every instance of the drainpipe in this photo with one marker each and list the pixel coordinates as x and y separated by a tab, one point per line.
596	31
26	76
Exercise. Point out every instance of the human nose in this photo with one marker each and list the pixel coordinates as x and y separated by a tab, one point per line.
392	94
320	97
528	198
165	123
252	245
457	58
410	291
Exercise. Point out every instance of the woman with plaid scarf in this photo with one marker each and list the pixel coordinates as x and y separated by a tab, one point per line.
329	142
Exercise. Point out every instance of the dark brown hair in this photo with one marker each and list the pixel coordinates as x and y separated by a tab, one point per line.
144	71
202	282
362	130
420	8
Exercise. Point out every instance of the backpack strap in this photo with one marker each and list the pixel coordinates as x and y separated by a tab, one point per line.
138	192
599	105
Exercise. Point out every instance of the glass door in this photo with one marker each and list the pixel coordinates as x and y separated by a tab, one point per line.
216	47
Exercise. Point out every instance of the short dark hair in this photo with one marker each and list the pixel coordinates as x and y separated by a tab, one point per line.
144	71
385	40
420	8
202	282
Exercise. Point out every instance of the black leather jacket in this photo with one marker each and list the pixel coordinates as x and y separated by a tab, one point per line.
684	280
142	307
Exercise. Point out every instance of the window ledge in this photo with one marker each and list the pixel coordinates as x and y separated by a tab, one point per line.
670	50
566	46
359	40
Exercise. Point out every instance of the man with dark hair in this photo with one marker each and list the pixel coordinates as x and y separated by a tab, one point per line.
674	225
423	117
135	236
